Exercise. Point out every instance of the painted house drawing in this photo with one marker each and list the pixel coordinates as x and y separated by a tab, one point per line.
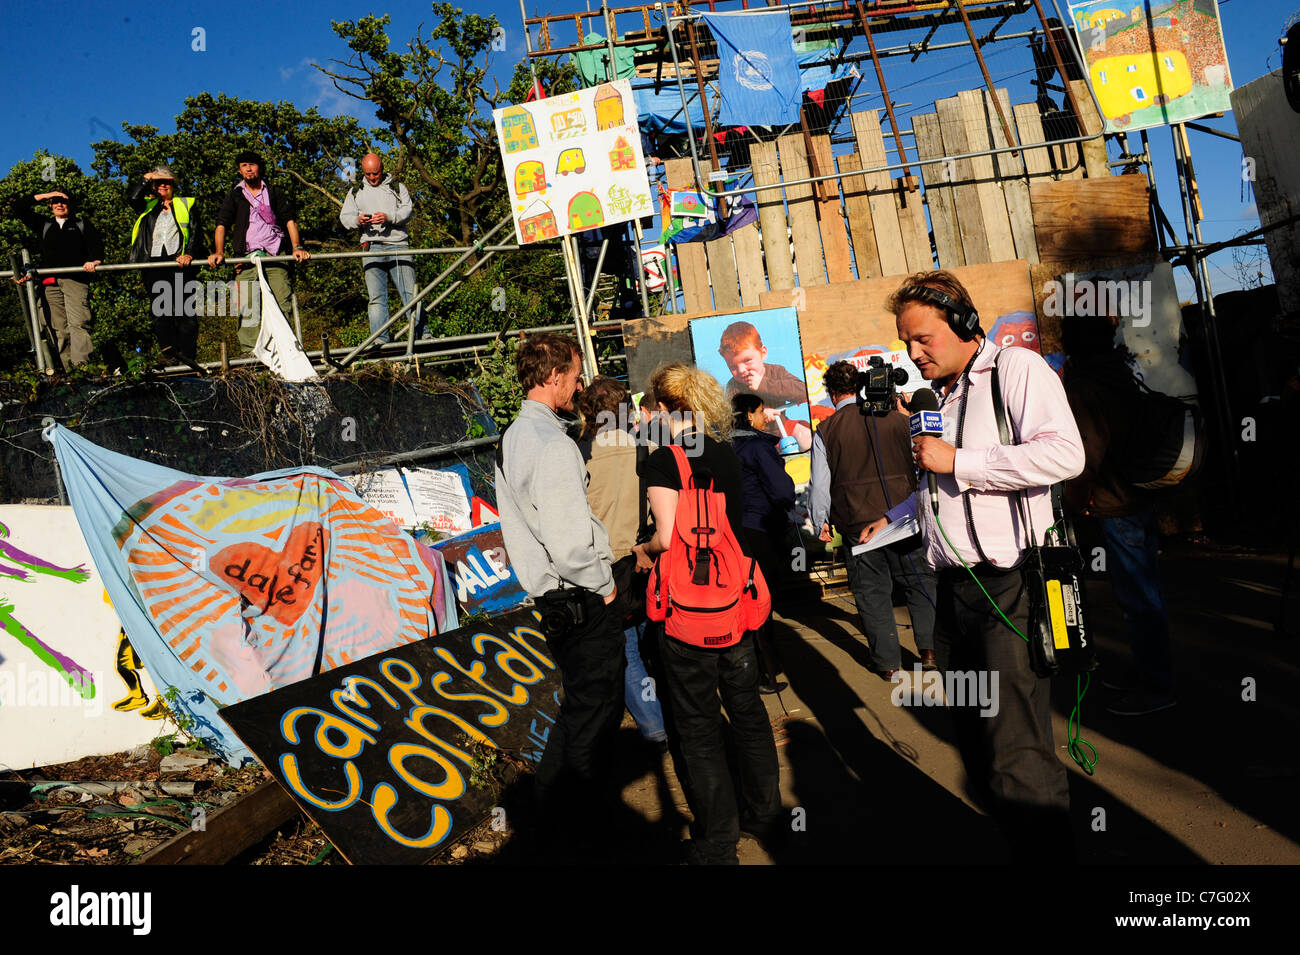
538	222
621	156
518	132
568	123
609	107
530	176
585	212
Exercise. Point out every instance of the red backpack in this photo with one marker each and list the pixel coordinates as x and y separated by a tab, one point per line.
704	588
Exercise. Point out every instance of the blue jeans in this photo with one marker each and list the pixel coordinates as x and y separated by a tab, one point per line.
377	272
872	576
637	685
1132	549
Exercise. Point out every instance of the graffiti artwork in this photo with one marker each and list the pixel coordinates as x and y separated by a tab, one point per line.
384	753
64	661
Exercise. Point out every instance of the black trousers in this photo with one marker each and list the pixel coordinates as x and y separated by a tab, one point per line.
177	331
591	660
695	678
1010	756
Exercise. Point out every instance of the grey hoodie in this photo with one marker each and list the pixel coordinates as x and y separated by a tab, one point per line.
546	522
368	200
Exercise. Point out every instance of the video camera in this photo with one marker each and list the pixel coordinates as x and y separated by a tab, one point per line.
878	386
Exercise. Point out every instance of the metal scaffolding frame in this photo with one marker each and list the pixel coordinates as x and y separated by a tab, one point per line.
1193	252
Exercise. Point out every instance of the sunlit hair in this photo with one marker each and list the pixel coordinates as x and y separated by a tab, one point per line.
940	280
841	378
742	406
598	404
689	391
541	355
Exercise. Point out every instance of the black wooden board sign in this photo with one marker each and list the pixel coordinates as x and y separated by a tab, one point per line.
380	752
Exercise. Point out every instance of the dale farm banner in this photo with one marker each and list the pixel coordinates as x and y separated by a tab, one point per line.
230	588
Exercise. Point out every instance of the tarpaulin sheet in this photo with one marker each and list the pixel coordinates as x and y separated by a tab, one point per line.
231	587
660	109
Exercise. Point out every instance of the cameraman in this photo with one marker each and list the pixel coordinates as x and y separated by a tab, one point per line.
562	555
861	467
1010	755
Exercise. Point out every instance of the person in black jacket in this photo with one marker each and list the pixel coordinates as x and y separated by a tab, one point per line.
65	241
259	220
166	230
769	495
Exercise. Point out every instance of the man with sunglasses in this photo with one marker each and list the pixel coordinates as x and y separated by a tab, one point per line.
167	230
65	241
259	219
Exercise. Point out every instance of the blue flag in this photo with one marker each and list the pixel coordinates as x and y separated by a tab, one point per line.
758	71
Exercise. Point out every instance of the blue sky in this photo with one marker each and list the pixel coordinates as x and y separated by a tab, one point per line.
109	63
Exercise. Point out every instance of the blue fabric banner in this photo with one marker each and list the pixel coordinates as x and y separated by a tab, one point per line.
229	588
758	72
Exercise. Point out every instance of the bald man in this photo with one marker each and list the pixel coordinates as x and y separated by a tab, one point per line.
380	208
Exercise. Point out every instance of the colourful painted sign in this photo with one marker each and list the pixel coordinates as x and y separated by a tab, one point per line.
381	753
70	683
1152	62
480	569
230	588
575	162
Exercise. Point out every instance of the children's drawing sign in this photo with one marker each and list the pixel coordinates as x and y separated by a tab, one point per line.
574	162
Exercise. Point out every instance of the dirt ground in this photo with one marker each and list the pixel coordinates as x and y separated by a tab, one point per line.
1211	781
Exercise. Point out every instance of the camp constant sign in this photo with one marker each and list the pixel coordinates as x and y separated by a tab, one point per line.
380	753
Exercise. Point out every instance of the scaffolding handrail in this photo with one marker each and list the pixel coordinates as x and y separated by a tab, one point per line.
248	259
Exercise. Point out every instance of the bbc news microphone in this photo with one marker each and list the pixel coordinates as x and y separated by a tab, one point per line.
926	419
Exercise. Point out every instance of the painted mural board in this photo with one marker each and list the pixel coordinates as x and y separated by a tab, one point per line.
758	352
573	162
380	752
70	685
1153	62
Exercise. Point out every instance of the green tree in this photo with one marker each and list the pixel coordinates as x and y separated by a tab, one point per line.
435	104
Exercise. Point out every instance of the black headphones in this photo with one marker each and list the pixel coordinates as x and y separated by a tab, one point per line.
962	319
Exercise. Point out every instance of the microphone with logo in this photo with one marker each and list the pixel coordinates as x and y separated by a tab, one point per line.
926	419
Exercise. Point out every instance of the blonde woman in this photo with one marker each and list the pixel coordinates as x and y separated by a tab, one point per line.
694	413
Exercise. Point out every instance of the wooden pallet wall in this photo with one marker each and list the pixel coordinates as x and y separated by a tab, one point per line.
866	225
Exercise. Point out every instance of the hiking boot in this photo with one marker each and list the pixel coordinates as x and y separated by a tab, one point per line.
1142	703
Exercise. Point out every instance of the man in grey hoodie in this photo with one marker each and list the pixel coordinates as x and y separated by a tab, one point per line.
380	209
554	542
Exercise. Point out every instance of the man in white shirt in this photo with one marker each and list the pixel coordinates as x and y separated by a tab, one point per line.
975	542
